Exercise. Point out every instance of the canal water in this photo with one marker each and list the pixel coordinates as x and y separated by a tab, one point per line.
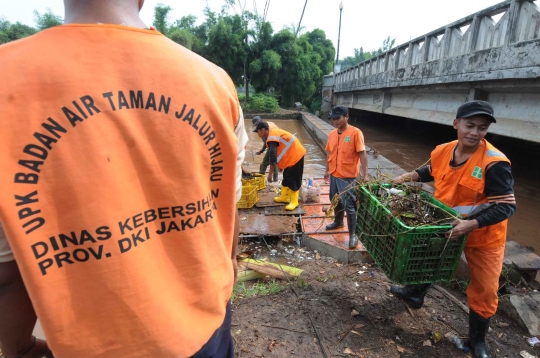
408	143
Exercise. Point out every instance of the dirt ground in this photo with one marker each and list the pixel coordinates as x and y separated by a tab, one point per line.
355	315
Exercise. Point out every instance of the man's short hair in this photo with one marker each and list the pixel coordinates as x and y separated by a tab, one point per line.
261	125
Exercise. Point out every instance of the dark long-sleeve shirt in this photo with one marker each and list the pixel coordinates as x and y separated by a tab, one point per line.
498	188
272	147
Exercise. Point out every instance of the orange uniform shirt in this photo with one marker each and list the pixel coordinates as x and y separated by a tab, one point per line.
344	149
117	188
462	188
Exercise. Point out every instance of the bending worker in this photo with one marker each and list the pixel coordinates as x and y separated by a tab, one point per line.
470	172
266	160
346	152
287	153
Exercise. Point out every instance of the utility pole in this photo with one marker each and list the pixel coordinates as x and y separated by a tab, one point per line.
337	67
300	22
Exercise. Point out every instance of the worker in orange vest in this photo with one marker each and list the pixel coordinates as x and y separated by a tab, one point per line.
118	191
286	153
346	153
469	173
266	160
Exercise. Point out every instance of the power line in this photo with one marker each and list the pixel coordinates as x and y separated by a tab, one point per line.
298	29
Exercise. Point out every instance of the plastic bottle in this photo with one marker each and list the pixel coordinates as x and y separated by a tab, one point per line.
457	342
310	182
462	346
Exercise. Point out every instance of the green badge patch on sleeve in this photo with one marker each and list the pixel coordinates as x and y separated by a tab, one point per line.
477	172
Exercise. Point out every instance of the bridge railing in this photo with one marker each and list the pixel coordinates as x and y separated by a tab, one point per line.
520	22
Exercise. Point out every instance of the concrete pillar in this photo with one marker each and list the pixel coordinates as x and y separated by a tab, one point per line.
447	42
386	58
473	40
476	94
396	58
387	101
425	49
513	17
410	55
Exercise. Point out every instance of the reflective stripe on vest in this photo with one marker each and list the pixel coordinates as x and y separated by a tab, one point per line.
465	210
288	144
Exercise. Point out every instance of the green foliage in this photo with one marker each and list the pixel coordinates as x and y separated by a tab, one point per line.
48	19
361	56
257	289
261	103
161	17
10	32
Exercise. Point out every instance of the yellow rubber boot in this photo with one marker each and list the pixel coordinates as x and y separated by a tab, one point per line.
294	200
285	196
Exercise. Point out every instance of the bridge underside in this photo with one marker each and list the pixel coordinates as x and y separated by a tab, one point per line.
516	103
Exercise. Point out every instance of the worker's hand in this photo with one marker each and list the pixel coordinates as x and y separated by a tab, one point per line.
235	268
366	177
258	153
460	228
270	178
326	176
401	179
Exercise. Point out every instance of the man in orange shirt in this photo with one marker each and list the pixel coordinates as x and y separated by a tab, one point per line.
346	153
470	173
117	191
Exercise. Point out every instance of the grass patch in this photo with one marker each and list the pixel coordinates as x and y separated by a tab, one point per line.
257	289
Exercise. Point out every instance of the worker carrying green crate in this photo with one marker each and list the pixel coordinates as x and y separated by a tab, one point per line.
266	160
470	173
286	153
346	153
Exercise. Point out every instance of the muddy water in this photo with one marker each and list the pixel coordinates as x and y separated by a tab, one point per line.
408	143
314	160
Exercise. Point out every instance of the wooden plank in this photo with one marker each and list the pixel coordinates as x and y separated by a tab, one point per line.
521	257
280	210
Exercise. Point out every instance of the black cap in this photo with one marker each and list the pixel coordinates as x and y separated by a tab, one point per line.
338	111
260	125
254	122
476	108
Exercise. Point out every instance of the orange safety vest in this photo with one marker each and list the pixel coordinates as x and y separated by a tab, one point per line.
117	188
272	125
463	188
344	149
289	150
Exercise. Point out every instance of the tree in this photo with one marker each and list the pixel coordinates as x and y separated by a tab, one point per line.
161	17
48	19
10	32
361	56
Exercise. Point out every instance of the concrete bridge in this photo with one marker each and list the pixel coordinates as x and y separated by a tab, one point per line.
473	58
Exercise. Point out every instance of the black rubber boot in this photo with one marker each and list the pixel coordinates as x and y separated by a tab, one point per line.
351	223
276	173
338	220
478	327
412	294
262	169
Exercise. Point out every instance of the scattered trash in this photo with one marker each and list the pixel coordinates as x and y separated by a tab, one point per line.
436	336
427	343
458	343
273	252
502	324
272	345
356	284
361	272
354	313
348	351
533	341
371	274
400	349
526	354
356	333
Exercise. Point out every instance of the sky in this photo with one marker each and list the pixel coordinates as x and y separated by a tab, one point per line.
364	23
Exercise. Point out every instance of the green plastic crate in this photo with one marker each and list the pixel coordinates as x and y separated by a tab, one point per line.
407	255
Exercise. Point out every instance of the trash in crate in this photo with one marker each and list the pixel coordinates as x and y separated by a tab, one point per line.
404	231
